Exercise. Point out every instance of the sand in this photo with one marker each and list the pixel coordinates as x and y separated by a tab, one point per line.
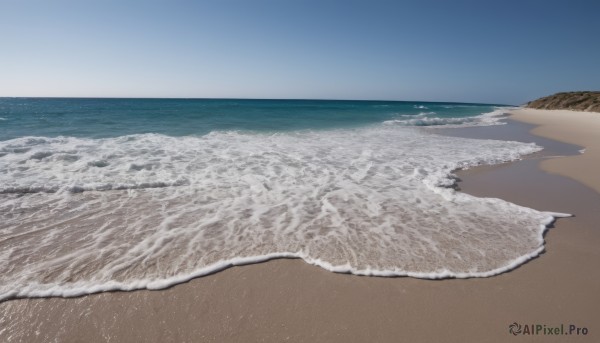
583	129
289	300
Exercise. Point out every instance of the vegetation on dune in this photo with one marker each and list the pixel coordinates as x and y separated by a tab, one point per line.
576	101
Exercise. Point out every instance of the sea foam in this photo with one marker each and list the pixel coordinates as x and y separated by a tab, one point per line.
430	119
82	215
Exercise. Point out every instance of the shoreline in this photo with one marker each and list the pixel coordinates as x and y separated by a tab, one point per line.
287	298
583	130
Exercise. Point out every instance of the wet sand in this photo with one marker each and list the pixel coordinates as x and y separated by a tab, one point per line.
289	300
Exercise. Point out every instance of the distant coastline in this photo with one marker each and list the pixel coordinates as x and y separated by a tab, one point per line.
575	101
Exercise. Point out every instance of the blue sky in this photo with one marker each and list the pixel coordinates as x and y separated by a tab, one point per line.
472	51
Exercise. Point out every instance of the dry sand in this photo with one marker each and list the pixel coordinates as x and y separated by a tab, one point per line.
288	300
581	128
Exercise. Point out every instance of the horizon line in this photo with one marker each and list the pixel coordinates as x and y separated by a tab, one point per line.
236	98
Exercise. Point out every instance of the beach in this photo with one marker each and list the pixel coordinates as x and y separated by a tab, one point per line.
582	130
290	300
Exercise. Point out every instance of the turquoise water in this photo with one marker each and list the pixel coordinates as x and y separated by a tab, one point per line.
98	118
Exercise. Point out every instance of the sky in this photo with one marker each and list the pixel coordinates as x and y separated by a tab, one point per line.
502	52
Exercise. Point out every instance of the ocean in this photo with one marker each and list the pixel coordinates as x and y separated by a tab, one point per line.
124	194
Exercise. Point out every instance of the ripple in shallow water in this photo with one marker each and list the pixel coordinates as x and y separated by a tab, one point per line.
369	201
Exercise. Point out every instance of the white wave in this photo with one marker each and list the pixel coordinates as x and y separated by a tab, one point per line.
425	119
421	107
458	106
371	201
418	115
